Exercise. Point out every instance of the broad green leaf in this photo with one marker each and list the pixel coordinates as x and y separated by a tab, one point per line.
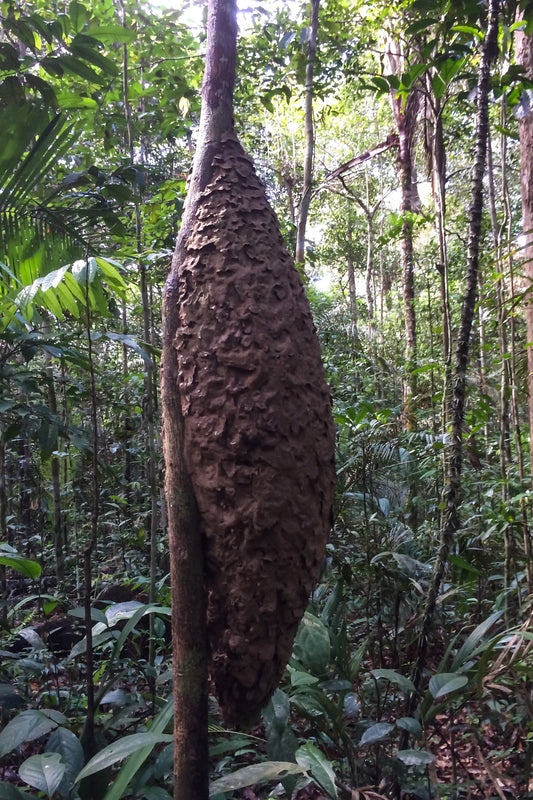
77	67
319	766
405	684
421	25
415	758
97	615
312	645
474	640
255	773
78	14
95	58
299	678
44	772
111	272
229	746
68	746
410	724
135	761
457	561
28	568
446	682
276	714
470	30
71	100
376	733
114	34
121	749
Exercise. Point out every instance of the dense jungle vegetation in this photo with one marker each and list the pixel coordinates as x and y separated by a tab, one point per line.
395	142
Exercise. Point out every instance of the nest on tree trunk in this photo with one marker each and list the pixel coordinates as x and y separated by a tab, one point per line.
259	435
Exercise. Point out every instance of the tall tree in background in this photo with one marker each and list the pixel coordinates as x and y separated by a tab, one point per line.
524	56
405	110
248	432
303	212
454	463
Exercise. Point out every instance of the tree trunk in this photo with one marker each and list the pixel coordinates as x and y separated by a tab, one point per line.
524	56
405	113
455	454
186	538
309	136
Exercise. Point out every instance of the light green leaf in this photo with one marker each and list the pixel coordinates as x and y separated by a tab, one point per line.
44	772
470	30
446	682
415	758
255	773
114	34
121	749
71	100
319	766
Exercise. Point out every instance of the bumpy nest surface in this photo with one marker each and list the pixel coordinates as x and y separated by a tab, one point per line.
259	436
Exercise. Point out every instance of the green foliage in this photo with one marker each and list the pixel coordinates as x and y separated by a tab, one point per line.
89	206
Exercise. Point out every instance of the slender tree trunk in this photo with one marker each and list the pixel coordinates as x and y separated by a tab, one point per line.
352	293
186	544
3	521
438	178
524	56
455	454
405	113
309	136
504	422
509	228
57	519
88	734
149	387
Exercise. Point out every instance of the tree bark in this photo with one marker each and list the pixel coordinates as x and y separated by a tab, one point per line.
186	545
405	114
455	454
303	213
524	56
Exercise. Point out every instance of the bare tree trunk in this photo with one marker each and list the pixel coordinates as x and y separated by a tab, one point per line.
524	56
352	293
3	520
438	179
455	454
405	113
186	545
309	136
149	387
88	735
504	422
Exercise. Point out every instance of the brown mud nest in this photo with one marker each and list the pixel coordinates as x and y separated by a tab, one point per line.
259	435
